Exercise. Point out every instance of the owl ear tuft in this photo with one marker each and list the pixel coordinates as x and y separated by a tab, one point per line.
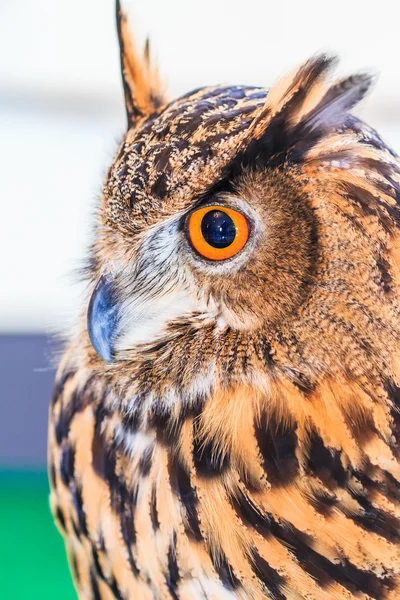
143	90
300	110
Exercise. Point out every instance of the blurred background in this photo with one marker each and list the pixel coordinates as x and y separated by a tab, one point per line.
61	116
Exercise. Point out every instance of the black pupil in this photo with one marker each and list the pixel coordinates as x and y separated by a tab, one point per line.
218	229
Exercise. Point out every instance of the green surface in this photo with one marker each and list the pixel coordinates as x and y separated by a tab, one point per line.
33	564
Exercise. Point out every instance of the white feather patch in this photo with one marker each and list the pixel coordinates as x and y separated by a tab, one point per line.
160	290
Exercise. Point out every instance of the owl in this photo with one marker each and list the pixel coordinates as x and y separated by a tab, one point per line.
225	421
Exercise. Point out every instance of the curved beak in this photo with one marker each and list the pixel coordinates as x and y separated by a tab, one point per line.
103	317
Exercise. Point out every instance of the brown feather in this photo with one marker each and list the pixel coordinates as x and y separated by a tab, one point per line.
143	90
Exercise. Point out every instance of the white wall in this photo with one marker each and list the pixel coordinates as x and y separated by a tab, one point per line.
61	109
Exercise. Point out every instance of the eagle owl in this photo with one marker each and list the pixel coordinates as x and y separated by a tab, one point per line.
225	422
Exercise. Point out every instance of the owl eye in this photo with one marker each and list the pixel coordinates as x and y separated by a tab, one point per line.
217	232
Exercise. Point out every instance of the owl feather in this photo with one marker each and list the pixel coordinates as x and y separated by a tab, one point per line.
225	424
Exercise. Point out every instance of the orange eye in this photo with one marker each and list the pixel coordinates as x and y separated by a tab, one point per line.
217	232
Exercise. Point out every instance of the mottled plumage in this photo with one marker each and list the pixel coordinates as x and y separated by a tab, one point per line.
243	439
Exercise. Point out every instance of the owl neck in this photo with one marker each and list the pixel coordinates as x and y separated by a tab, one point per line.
263	429
270	438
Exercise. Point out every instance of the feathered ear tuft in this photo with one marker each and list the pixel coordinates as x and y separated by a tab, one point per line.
302	109
329	113
339	99
143	89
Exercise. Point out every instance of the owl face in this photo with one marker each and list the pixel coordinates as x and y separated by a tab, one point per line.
234	213
192	233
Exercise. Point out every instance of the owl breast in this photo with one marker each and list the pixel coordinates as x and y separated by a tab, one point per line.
222	499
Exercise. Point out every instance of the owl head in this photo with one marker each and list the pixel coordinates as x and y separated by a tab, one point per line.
243	232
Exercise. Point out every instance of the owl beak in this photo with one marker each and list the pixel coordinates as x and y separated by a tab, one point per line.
103	317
